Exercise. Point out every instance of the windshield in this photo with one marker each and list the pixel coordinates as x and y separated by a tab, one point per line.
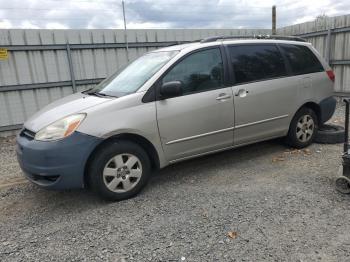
131	78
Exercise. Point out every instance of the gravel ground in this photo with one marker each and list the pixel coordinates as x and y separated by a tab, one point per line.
263	202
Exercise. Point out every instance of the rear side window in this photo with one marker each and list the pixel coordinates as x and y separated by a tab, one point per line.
301	59
256	62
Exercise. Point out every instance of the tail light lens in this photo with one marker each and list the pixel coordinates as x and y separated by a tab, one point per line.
331	75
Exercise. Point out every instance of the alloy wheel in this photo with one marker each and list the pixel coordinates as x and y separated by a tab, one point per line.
305	128
122	173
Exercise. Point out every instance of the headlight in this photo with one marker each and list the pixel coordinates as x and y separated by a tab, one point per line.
61	128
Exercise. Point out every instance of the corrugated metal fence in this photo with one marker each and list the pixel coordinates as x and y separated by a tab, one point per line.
45	65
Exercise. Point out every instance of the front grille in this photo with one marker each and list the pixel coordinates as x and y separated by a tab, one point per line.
28	134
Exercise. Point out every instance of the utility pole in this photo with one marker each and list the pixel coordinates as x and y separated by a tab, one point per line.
125	32
273	20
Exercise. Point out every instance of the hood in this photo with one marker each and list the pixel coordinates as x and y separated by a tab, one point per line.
68	105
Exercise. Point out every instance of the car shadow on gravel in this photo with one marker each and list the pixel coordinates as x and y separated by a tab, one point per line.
209	164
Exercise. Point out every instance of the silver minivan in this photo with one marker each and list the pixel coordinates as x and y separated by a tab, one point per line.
173	104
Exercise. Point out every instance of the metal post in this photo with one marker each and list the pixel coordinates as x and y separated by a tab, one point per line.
273	20
328	46
71	69
346	145
125	32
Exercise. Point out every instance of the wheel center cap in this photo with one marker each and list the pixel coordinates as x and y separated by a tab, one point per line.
304	128
122	173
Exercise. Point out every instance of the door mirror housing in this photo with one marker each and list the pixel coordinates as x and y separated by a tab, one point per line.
171	89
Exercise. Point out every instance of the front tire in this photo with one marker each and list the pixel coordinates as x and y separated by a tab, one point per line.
303	128
119	170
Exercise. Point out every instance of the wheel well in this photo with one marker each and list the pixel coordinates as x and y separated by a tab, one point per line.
137	139
316	108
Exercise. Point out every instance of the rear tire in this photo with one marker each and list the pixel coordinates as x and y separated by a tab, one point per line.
303	128
119	170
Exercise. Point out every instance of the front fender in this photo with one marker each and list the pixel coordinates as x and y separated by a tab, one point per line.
125	115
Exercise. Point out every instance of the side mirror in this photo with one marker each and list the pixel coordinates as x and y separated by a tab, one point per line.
171	89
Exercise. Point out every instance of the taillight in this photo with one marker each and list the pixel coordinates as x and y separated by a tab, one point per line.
331	75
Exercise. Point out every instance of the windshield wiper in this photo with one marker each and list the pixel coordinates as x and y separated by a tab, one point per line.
94	93
87	90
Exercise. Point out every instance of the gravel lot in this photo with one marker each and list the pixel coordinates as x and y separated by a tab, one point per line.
276	204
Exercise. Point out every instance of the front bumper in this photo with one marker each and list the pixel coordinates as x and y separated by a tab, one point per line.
56	164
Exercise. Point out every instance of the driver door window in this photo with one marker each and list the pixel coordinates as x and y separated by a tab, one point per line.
198	72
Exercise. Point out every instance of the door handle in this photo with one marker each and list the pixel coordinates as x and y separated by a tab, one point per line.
242	93
223	96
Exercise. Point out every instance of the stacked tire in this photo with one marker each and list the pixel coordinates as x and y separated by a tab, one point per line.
330	134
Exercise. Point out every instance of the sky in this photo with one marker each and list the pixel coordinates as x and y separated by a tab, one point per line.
107	14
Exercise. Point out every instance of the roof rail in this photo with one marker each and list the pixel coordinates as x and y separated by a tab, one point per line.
275	37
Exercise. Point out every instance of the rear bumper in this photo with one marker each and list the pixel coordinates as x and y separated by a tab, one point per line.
327	108
57	164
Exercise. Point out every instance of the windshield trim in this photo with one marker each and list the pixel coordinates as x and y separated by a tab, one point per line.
147	84
161	70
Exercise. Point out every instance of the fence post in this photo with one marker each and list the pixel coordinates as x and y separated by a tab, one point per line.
328	46
273	20
71	69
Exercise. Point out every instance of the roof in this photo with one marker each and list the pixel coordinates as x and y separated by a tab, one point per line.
215	41
273	37
177	47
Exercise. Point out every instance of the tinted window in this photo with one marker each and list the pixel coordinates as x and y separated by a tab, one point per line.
301	59
198	72
256	62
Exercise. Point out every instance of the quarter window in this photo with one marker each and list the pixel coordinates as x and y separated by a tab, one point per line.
198	72
301	59
256	62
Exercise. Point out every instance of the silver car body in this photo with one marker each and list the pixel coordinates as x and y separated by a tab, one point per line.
188	126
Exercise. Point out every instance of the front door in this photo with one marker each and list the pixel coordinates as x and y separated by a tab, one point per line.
201	120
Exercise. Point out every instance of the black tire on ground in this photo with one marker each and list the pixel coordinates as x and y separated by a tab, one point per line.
103	156
330	134
293	139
